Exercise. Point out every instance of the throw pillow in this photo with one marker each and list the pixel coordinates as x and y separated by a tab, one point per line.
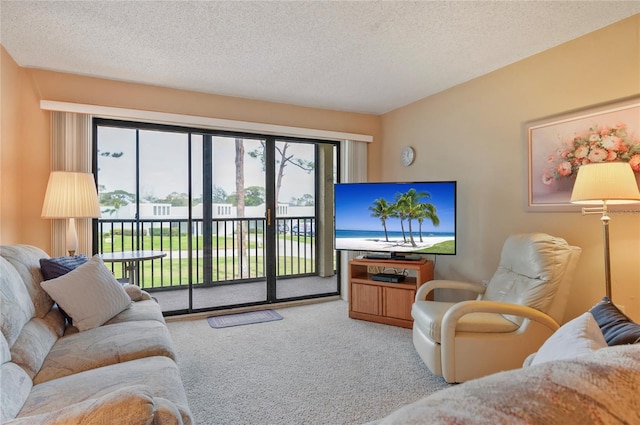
574	339
59	266
616	327
90	294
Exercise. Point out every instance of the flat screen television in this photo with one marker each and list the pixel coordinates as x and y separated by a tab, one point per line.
396	220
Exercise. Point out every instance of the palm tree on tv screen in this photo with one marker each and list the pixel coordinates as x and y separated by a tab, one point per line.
382	209
410	207
407	206
399	211
427	211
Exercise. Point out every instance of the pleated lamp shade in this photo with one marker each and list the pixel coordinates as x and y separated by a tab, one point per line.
610	182
71	195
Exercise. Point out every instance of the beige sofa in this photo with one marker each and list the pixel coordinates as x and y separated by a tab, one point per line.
120	372
587	372
600	388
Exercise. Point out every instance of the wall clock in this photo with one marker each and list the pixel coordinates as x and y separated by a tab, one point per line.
407	156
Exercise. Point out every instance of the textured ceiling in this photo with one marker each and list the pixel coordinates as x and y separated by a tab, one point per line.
364	56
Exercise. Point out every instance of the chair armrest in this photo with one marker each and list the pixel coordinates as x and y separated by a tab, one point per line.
135	293
424	290
450	320
455	313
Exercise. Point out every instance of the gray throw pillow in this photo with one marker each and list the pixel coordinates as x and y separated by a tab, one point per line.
59	266
90	294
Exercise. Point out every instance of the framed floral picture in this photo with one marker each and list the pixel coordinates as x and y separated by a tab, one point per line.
559	145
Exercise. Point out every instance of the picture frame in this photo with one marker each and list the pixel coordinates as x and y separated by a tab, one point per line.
559	144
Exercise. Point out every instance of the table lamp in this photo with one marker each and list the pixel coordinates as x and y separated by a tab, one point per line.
71	195
604	184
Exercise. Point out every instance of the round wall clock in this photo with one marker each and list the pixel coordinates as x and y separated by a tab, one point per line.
407	156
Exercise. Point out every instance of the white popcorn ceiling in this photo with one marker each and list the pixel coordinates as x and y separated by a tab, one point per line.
361	56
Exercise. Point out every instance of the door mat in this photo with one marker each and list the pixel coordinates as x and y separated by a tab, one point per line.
238	319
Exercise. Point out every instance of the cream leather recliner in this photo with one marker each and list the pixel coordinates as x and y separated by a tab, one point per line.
521	306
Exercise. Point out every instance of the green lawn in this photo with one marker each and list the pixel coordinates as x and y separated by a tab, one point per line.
165	272
174	271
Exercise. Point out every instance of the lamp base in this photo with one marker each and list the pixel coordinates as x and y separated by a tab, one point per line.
72	237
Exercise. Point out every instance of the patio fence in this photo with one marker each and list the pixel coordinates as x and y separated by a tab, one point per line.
235	254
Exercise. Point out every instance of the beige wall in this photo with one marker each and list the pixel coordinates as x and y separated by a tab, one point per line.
25	163
474	134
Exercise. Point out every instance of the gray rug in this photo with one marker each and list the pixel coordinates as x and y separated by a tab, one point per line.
239	319
315	367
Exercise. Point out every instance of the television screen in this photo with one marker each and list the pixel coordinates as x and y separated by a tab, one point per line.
396	218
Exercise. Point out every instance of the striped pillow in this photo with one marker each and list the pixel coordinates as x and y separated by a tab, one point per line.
59	266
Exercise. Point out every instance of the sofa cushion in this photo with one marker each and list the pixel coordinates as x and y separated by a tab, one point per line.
132	405
35	341
616	327
89	294
26	260
106	345
5	354
16	308
15	387
139	310
33	346
160	374
576	338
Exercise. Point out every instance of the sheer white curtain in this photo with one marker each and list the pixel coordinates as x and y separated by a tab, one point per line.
353	166
70	151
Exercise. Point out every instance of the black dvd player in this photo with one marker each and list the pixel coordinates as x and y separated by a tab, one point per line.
388	277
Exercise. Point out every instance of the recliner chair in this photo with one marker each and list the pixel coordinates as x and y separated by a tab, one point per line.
521	306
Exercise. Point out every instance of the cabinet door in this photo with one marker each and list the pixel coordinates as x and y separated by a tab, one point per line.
398	302
365	299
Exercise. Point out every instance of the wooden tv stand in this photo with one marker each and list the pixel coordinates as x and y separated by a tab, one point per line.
385	302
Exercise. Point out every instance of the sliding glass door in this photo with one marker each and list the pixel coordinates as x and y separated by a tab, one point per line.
303	204
244	219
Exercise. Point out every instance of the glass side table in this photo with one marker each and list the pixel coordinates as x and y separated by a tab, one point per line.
131	261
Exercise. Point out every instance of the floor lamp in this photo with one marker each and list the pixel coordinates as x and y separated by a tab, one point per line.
604	184
71	195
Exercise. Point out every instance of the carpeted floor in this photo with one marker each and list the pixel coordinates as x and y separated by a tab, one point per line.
316	366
